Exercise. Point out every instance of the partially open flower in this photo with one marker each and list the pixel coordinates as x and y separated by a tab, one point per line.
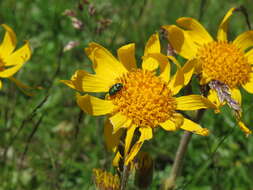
11	61
137	99
228	63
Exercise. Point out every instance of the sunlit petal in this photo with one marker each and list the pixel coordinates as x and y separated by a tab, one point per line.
93	105
111	139
19	56
249	86
223	28
9	41
104	62
193	127
153	45
193	102
181	41
195	30
118	121
126	55
168	125
245	40
129	137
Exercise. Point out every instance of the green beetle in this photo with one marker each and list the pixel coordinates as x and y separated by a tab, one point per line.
115	88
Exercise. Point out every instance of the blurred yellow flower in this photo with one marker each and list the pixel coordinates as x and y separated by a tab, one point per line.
137	100
222	64
105	180
11	61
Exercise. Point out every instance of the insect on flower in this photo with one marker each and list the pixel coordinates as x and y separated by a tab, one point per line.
115	88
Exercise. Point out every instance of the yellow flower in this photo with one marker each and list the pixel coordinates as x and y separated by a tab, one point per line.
105	180
222	64
138	99
11	61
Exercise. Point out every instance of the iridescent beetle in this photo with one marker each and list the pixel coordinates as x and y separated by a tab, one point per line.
115	88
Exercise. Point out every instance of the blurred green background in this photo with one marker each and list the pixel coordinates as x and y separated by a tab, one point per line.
46	142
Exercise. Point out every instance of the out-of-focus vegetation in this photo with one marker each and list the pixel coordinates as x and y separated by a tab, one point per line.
46	142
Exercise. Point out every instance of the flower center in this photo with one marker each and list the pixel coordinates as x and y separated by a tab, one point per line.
144	98
224	62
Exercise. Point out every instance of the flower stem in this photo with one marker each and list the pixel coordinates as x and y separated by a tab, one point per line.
169	183
124	178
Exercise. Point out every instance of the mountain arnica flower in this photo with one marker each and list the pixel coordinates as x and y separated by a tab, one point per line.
11	61
223	65
136	99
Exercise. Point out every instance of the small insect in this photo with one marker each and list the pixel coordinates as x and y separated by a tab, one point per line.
115	88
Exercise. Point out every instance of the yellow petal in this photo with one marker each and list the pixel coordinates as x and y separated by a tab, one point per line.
193	102
188	70
10	71
182	76
1	84
76	81
134	151
165	71
193	127
175	61
146	133
169	125
149	63
177	82
126	55
245	40
153	45
249	56
17	59
93	105
95	83
213	97
104	63
19	56
111	139
116	160
236	95
249	86
86	82
118	121
9	41
243	127
129	137
181	42
223	28
152	61
178	119
195	30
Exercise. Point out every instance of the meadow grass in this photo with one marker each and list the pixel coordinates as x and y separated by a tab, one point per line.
46	142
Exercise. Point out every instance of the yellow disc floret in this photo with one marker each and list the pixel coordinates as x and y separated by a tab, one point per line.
224	62
144	98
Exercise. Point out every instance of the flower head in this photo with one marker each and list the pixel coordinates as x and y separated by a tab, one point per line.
105	180
11	61
218	61
137	99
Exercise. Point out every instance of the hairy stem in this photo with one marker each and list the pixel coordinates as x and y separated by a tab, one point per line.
169	183
124	177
